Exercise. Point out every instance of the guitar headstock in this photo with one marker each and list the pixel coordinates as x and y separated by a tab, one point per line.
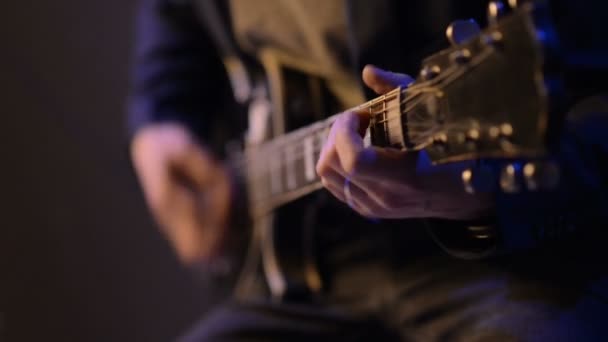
487	96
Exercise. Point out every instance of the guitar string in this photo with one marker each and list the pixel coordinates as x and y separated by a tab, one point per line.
279	143
273	150
309	132
316	149
267	195
294	146
258	174
280	166
298	150
326	124
425	85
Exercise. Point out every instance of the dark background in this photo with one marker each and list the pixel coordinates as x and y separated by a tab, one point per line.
81	260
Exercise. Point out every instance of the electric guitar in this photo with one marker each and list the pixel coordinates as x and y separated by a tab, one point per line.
487	97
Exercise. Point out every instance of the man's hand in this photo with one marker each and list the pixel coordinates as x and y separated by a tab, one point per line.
388	183
187	190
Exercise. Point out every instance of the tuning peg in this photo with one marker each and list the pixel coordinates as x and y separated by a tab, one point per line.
496	9
429	72
541	175
471	139
509	182
517	3
460	31
480	179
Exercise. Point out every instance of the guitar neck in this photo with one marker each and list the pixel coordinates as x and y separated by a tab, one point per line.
283	169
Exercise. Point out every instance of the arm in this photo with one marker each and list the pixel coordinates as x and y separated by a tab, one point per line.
176	83
395	184
177	75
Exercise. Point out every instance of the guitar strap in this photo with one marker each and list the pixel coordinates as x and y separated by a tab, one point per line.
249	88
217	26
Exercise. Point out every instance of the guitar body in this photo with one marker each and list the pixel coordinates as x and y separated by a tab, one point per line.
456	110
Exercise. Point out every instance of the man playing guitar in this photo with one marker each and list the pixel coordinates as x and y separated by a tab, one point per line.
396	207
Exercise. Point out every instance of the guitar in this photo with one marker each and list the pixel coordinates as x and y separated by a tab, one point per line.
489	97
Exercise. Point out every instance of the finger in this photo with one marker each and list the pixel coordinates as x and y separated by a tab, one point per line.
349	144
382	81
328	152
347	123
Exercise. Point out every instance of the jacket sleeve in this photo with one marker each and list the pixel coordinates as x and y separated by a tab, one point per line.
177	74
573	214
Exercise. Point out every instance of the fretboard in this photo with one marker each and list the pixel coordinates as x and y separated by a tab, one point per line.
284	169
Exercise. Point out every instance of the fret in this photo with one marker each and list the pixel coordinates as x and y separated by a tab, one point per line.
309	158
367	138
299	169
290	159
274	165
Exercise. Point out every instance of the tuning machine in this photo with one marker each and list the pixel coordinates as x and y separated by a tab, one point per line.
502	134
543	175
459	31
531	176
496	10
479	179
429	72
510	178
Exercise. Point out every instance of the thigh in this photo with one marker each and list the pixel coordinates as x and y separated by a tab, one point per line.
268	321
525	300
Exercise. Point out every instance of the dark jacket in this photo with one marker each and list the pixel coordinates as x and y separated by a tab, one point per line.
178	75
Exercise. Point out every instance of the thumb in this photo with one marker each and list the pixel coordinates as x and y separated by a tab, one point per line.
382	81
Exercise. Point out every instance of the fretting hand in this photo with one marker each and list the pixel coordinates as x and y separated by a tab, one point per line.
389	183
